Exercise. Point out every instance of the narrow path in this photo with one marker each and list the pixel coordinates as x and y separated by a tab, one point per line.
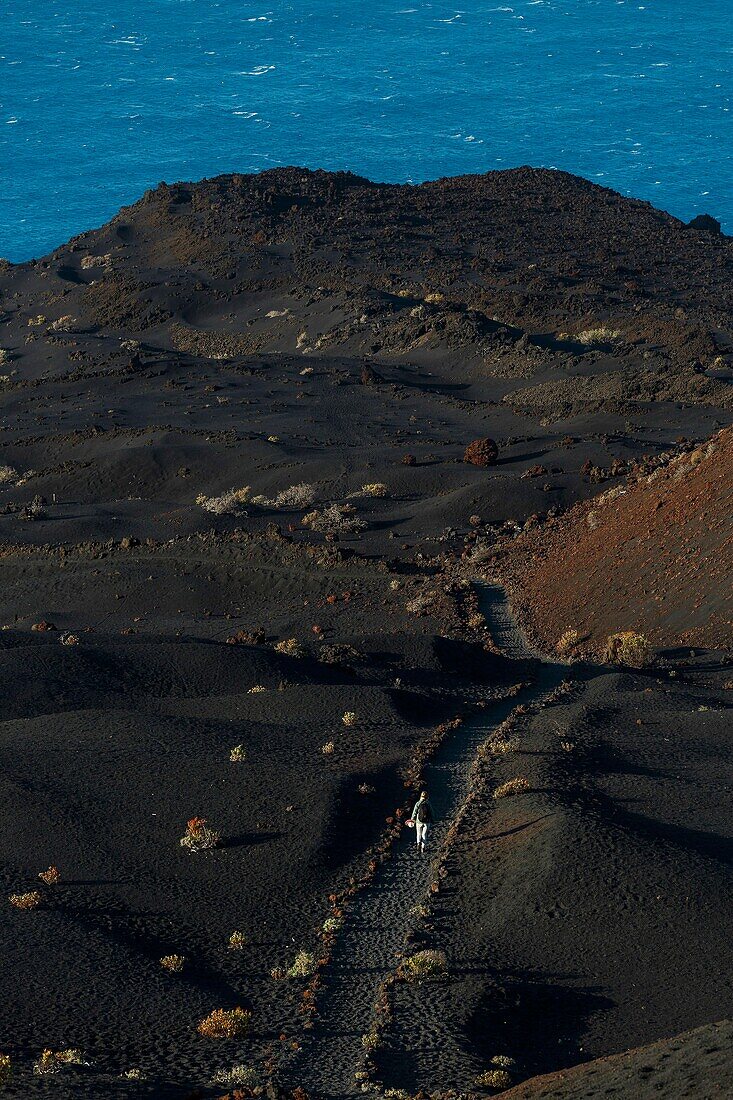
379	917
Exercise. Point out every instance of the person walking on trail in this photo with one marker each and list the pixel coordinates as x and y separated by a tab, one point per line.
422	815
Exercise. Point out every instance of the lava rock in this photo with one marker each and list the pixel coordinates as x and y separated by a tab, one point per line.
481	452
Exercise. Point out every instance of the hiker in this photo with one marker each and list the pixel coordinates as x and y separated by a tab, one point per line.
422	815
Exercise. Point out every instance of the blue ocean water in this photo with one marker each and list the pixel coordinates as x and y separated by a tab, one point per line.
102	99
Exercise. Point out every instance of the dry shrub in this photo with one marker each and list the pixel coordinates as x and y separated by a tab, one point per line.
349	718
332	924
52	1061
229	503
502	746
375	489
6	1069
238	754
567	642
237	941
51	876
30	900
7	474
291	647
199	836
257	689
304	965
628	648
88	262
366	788
494	1079
427	964
335	519
63	324
297	496
328	748
512	787
238	1075
601	334
226	1023
173	963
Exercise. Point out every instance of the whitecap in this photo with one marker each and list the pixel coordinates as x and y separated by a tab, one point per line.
11	121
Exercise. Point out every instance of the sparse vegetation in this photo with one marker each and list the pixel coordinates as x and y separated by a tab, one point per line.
567	642
328	748
256	690
6	1069
303	966
512	787
502	746
297	496
628	648
427	964
31	899
366	788
229	503
375	489
173	963
494	1079
52	1061
237	941
199	835
51	876
223	1023
8	474
239	1075
335	519
349	718
238	754
291	647
332	924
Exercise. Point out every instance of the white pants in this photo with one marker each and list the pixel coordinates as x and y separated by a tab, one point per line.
421	833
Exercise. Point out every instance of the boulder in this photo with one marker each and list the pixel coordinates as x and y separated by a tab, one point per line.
481	452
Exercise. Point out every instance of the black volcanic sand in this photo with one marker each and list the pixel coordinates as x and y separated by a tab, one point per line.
591	913
304	327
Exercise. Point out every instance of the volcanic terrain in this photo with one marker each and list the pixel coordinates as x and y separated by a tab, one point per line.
277	454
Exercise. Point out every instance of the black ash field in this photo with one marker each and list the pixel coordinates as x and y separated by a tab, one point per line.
236	514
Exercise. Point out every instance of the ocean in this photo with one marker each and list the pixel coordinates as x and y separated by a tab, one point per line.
102	99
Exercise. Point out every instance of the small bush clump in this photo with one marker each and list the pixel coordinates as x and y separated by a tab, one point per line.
238	754
335	519
628	648
332	924
51	1061
230	503
427	964
512	787
199	836
303	966
502	746
50	877
223	1023
328	748
494	1079
7	474
567	642
291	647
31	899
245	1076
297	496
6	1069
173	963
375	489
349	718
237	941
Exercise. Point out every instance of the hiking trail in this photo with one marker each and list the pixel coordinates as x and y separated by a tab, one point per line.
378	919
